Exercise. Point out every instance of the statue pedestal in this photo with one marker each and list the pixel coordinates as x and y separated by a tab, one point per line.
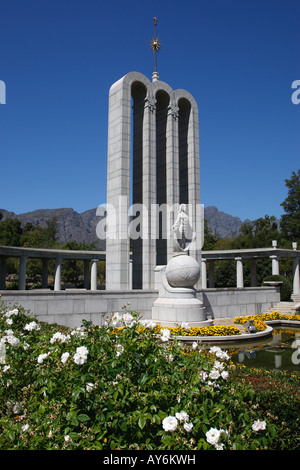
177	301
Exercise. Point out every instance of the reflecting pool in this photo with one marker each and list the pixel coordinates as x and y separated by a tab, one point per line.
281	351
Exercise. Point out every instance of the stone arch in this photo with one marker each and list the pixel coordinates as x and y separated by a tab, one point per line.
152	132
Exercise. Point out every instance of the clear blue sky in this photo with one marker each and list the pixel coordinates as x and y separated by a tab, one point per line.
238	58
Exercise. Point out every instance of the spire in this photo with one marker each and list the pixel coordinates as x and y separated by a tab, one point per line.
155	46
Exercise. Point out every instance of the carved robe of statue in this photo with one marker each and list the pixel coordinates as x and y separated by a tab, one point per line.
183	232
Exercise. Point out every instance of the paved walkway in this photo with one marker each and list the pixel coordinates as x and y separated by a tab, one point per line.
228	322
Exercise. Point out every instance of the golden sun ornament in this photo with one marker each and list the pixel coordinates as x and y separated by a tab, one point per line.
155	43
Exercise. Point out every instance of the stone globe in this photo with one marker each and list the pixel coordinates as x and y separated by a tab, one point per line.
182	271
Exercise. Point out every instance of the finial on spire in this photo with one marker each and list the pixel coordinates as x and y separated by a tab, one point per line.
155	45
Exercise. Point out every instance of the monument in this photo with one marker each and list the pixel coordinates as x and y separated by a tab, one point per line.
152	172
177	301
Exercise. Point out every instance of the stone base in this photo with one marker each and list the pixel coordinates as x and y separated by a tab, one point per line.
173	324
178	311
176	305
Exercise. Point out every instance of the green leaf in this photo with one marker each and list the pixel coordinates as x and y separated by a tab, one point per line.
123	426
142	422
162	414
83	417
11	435
112	445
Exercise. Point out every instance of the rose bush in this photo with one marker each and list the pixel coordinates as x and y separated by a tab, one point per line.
125	385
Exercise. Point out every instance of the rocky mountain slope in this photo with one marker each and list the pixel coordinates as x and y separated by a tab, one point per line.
82	226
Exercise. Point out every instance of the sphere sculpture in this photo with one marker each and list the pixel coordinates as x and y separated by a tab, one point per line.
182	271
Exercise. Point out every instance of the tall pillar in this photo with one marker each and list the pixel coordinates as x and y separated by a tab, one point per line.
149	196
118	184
253	273
172	173
44	273
57	274
22	273
94	274
194	178
275	264
2	272
203	273
296	278
239	273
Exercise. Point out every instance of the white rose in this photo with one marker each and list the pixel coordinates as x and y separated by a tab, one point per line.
65	357
212	436
165	334
80	357
259	425
89	387
169	423
183	417
41	357
214	374
188	427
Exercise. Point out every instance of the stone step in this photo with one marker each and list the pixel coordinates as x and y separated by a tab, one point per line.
284	308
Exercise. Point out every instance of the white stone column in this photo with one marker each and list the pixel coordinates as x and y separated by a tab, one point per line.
275	264
148	197
94	269
44	273
57	274
172	173
118	183
194	175
239	273
203	274
211	274
296	277
253	273
130	274
22	273
2	272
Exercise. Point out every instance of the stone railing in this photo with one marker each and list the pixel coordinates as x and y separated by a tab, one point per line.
90	259
274	254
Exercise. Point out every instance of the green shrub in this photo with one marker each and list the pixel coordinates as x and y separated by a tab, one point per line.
111	388
286	288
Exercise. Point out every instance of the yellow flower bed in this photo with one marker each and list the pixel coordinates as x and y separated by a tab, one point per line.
279	316
259	324
202	330
259	320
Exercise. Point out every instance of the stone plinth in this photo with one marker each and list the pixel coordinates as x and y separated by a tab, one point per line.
178	302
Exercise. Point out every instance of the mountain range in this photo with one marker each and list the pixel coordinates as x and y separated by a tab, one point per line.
81	227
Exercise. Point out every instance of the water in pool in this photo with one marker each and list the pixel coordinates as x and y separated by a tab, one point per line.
281	351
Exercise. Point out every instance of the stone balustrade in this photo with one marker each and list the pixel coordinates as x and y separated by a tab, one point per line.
274	254
91	258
